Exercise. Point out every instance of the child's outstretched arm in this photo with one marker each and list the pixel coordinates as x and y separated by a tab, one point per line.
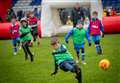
68	35
56	69
88	38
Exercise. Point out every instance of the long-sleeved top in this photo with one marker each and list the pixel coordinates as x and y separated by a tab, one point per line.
78	36
14	30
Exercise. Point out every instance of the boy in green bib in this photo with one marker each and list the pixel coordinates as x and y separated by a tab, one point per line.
78	35
64	60
26	38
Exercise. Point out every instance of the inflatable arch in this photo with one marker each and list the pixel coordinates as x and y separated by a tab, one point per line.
50	19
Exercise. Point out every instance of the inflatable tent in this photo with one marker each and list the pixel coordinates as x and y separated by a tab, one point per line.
50	18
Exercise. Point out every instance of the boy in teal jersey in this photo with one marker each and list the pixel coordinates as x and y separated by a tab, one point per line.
78	35
64	60
26	38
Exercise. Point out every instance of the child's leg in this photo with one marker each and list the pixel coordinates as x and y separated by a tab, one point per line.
25	51
77	49
98	47
78	74
83	55
66	66
78	54
72	66
15	46
28	50
18	43
76	69
34	34
96	40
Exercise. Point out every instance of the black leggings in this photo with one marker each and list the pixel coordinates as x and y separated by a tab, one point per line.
25	46
78	52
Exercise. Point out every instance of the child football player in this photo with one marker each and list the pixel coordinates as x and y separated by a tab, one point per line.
64	60
33	22
78	35
14	30
95	29
26	38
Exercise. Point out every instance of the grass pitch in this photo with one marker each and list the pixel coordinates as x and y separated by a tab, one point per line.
14	69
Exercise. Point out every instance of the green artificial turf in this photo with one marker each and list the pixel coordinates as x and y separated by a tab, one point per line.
14	69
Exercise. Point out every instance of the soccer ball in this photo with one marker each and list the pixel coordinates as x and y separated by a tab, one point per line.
104	64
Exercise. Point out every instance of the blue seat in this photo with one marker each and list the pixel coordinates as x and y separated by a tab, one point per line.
14	2
36	2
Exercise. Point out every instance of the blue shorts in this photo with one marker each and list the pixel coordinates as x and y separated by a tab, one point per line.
68	65
77	47
15	41
96	38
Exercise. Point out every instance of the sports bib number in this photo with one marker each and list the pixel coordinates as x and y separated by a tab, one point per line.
95	26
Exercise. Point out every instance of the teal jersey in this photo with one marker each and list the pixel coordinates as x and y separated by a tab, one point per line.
62	56
26	30
78	36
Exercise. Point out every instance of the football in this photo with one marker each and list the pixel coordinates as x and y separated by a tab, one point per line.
104	64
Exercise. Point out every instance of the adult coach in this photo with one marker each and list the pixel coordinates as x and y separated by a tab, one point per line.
77	14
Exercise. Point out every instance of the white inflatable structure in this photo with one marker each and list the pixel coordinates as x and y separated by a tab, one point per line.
50	19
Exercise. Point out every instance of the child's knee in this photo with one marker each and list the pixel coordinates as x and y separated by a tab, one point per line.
64	69
97	42
14	44
65	66
82	50
77	52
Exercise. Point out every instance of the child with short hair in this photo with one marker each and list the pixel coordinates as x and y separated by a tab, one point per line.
14	30
95	29
64	60
78	35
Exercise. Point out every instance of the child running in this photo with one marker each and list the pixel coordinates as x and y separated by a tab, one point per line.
14	30
95	29
78	35
26	38
64	60
33	22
